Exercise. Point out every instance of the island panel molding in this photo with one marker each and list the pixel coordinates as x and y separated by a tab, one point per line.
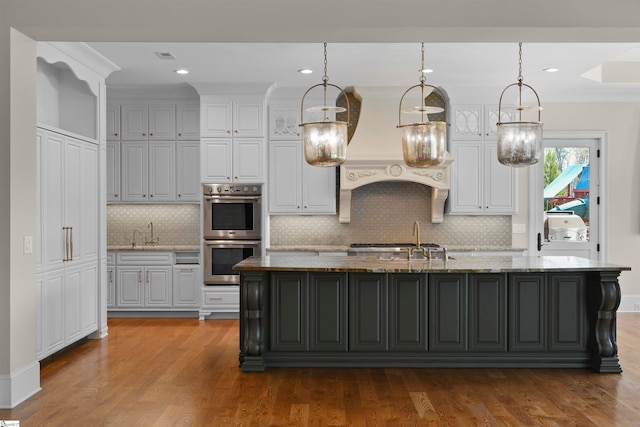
467	313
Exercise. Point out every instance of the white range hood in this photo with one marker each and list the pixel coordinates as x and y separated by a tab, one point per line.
375	154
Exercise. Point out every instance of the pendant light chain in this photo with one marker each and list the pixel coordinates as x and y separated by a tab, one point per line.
325	78
520	63
422	77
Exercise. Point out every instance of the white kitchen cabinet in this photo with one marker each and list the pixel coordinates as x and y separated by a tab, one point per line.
187	122
232	159
142	122
188	171
162	171
479	183
477	121
111	280
186	286
220	300
144	287
113	171
113	122
284	121
295	186
148	171
39	313
237	117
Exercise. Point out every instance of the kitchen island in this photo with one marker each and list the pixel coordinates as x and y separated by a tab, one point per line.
498	312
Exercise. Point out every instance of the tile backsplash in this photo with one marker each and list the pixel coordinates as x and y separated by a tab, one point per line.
174	224
385	212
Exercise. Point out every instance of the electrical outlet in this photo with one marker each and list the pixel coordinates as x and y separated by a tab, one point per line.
636	306
28	245
518	228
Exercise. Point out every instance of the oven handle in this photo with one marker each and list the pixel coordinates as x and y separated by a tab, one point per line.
231	198
232	242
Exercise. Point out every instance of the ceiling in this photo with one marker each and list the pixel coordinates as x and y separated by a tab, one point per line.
465	70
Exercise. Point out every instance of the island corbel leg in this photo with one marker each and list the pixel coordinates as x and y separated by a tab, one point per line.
252	318
604	296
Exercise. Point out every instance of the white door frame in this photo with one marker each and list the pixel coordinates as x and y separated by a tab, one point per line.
535	192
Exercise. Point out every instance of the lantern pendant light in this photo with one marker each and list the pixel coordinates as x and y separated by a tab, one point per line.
424	143
325	141
519	143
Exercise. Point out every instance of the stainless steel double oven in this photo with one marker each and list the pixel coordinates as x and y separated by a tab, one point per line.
232	229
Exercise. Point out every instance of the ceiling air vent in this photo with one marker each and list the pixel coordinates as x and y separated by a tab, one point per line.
165	55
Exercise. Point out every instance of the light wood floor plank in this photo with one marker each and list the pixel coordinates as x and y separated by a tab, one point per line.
184	372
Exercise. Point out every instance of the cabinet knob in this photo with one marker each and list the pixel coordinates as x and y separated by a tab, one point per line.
306	207
150	195
144	195
144	134
228	131
228	177
115	134
179	134
235	177
151	134
179	195
115	195
236	131
298	207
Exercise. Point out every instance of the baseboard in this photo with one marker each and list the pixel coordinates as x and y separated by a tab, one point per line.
628	303
17	387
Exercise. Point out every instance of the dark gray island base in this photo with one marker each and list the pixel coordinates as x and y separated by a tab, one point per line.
493	312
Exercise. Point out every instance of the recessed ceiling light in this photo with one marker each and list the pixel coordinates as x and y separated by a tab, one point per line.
550	70
305	71
182	71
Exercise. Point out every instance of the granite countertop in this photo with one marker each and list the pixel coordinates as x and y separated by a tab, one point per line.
345	248
156	248
476	264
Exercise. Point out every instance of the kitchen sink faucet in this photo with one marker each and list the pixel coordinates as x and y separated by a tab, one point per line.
416	232
152	240
133	237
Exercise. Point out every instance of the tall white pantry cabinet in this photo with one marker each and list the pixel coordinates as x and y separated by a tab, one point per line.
70	241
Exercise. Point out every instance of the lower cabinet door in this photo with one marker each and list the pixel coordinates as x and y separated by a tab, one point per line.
130	287
407	312
527	312
158	290
327	312
289	311
448	312
368	312
487	312
567	316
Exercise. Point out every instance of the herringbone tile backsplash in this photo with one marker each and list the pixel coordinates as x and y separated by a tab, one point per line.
385	212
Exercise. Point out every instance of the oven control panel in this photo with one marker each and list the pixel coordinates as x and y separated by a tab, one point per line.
232	189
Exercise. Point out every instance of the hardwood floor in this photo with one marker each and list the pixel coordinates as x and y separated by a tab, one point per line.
184	372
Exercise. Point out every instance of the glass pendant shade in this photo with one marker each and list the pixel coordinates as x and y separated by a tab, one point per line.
325	143
424	144
519	143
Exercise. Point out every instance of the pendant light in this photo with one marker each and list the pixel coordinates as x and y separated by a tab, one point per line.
325	141
519	143
424	143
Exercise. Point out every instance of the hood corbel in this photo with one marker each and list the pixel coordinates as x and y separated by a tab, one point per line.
357	173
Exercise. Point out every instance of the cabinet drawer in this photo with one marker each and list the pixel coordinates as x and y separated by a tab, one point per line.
225	298
144	258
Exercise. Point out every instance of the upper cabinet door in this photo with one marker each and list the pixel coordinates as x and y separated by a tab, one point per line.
113	123
284	120
467	121
248	119
216	119
188	122
135	122
162	122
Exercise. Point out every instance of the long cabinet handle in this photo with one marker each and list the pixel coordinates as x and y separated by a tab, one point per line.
147	276
139	276
68	244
